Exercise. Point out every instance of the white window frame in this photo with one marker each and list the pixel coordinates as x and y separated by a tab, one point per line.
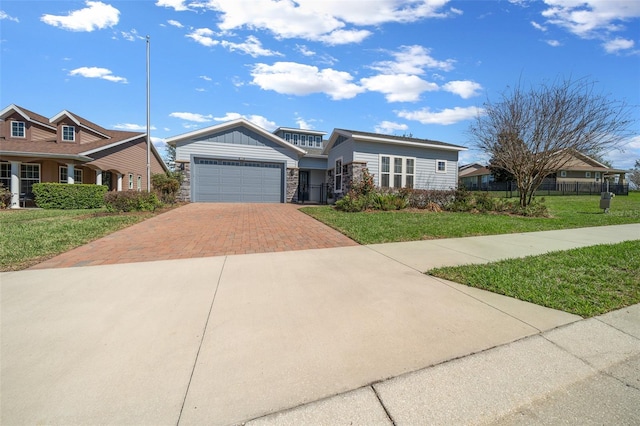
65	133
392	173
296	138
139	183
438	162
303	140
5	174
287	137
130	180
597	176
19	124
318	141
587	174
563	173
337	174
24	169
77	175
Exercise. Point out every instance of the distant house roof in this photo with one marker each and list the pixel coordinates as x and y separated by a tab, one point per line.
484	170
390	139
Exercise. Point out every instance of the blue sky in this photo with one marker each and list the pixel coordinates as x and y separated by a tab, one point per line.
420	67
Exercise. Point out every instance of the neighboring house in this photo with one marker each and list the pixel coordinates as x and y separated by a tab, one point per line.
238	161
475	176
579	169
69	149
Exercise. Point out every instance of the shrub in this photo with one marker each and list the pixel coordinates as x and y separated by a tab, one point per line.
166	186
428	198
389	201
131	201
353	203
51	195
5	197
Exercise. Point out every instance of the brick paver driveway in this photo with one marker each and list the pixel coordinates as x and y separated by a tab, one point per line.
201	230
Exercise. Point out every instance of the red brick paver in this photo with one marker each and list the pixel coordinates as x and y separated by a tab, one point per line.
201	230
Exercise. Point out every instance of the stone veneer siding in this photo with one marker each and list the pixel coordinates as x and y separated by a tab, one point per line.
184	193
351	172
292	185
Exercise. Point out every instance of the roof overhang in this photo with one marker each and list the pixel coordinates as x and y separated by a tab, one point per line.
77	157
66	113
387	140
293	129
6	111
241	122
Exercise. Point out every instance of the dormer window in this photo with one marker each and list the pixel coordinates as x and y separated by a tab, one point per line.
68	133
17	129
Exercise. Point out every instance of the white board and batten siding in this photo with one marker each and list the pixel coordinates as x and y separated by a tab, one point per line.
426	176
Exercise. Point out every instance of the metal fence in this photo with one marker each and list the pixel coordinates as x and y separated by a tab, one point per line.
555	188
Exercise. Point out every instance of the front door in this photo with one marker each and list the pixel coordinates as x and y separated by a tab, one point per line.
303	186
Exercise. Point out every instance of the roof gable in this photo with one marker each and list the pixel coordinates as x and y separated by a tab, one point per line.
230	125
81	122
389	139
26	114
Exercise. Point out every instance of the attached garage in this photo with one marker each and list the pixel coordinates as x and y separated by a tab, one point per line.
220	180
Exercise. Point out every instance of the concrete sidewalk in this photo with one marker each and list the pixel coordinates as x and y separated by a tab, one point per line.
327	336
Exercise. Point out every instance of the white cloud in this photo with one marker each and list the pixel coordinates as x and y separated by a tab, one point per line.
328	21
95	16
445	117
618	44
305	50
389	127
464	88
251	46
398	87
255	119
177	5
190	116
591	18
412	60
203	36
538	26
175	23
553	43
95	72
4	15
291	78
130	127
626	157
205	78
131	35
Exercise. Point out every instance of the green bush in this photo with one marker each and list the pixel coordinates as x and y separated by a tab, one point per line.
5	197
166	185
429	198
353	203
131	201
51	195
389	201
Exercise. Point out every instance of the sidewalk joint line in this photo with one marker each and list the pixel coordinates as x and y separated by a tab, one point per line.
204	330
383	406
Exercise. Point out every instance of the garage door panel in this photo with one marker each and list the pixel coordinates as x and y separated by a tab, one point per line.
237	181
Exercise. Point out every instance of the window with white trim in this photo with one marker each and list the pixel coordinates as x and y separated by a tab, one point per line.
441	166
64	173
318	141
597	176
587	174
397	172
68	133
296	138
287	137
5	174
139	183
337	181
563	173
303	140
29	174
130	180
17	129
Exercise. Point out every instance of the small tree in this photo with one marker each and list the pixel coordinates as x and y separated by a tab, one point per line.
530	133
634	176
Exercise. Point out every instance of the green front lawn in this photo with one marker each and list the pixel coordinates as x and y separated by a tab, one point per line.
587	281
31	236
567	212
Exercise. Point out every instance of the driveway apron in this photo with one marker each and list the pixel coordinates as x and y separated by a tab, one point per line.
203	230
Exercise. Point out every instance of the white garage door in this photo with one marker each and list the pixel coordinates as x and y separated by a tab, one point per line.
227	181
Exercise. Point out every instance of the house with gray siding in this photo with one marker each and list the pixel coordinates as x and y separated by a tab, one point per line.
238	161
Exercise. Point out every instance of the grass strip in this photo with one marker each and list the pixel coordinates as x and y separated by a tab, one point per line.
374	227
586	281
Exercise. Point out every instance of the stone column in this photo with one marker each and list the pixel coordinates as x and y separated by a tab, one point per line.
15	185
292	186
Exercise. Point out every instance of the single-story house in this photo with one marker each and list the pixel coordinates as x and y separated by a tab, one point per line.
577	168
68	148
238	161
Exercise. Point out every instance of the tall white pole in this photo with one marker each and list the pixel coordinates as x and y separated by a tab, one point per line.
148	119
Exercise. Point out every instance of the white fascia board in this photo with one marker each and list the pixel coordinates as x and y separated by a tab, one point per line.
79	157
229	125
24	115
293	129
357	137
332	140
142	135
77	122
